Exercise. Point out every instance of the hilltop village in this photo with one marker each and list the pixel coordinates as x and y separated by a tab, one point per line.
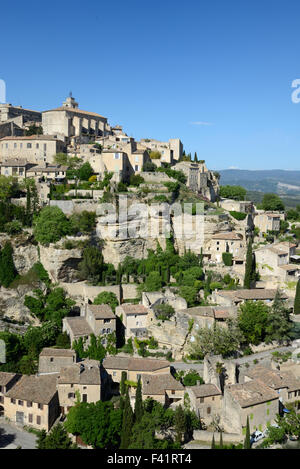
166	340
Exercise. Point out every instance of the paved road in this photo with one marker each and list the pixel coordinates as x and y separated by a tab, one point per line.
239	361
14	437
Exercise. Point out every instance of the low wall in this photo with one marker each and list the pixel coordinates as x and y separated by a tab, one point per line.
202	435
75	206
90	292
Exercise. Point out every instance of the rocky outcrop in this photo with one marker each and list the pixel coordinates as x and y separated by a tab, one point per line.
61	264
12	304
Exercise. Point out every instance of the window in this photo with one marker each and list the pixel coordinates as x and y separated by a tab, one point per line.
29	404
30	418
13	401
40	406
208	410
29	145
84	397
136	168
201	400
71	395
37	145
51	359
38	420
20	402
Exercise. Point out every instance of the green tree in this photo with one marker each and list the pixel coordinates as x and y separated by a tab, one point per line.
50	225
272	202
127	423
92	265
250	268
179	424
153	282
85	172
247	444
8	271
107	298
138	407
253	320
297	299
233	192
57	438
279	325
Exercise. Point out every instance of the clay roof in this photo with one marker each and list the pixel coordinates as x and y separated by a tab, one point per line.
15	162
102	311
228	235
40	389
30	137
289	267
79	326
135	364
207	311
75	111
158	384
251	393
49	169
57	352
254	294
273	378
6	377
205	390
129	308
86	372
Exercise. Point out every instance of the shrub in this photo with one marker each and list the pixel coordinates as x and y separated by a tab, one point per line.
227	258
238	215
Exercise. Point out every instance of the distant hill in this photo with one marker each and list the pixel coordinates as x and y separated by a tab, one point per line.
279	181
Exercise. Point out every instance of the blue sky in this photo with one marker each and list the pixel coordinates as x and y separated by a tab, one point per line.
215	73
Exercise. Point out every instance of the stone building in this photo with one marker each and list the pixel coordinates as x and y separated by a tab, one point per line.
51	360
230	242
48	172
80	381
170	151
18	115
275	261
33	401
162	388
268	221
134	368
35	149
134	318
71	124
237	297
96	319
200	179
252	399
17	168
206	401
7	381
241	206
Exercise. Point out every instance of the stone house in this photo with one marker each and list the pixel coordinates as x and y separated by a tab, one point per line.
35	149
17	168
237	297
206	401
18	114
80	381
97	319
170	151
230	242
51	360
268	221
7	381
134	318
48	172
133	367
275	261
241	206
162	388
251	399
33	401
283	382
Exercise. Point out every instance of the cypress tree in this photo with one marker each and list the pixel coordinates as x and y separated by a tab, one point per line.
250	267
247	444
196	158
122	384
180	424
138	407
213	444
127	423
7	267
221	441
297	299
